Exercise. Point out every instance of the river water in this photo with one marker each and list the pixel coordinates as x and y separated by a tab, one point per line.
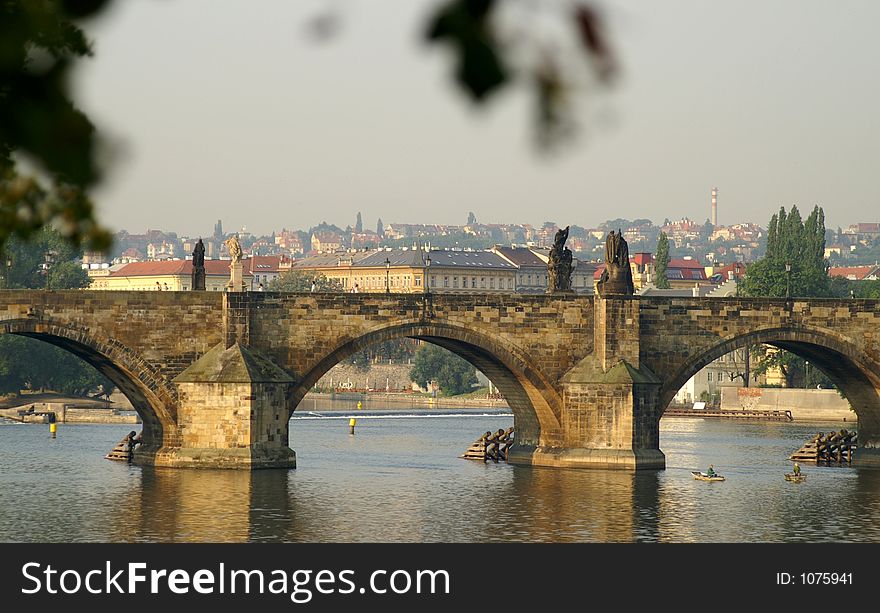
399	479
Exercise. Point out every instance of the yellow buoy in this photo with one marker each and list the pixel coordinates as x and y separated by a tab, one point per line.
360	406
351	424
52	428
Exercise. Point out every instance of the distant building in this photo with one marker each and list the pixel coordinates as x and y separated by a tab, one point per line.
532	275
686	272
470	271
264	269
404	270
863	232
705	386
170	275
531	270
856	273
326	242
729	272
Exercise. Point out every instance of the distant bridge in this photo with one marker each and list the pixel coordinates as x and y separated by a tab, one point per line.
216	376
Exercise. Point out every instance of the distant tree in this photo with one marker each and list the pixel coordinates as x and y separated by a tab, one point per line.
798	244
452	373
706	231
27	363
472	219
28	258
380	229
301	281
793	368
577	232
326	227
615	224
360	360
661	262
399	350
842	287
359	224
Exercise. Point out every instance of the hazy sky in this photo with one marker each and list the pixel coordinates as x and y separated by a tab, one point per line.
224	109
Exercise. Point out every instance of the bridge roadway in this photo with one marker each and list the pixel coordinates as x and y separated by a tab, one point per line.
216	376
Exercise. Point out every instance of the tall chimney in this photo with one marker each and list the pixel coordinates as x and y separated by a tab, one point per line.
714	206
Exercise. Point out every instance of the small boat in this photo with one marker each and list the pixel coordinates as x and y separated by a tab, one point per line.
704	477
795	478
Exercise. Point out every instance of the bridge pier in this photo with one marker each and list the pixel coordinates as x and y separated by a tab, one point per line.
611	421
610	417
867	453
232	413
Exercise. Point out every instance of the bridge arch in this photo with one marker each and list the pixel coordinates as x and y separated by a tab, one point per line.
855	373
141	384
535	402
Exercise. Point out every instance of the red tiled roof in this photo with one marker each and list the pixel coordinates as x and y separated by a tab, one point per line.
262	263
642	258
682	263
853	272
172	267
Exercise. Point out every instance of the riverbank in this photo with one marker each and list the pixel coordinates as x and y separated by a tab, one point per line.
386	400
817	405
39	408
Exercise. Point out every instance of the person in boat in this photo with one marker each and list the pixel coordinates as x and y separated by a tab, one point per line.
796	469
710	472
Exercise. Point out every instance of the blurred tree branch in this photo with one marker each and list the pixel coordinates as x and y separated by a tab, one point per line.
39	42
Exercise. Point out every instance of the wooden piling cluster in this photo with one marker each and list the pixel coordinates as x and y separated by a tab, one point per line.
834	447
490	446
124	449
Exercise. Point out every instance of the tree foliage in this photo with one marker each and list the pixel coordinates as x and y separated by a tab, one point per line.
453	374
29	364
796	371
661	262
38	45
842	287
398	350
795	243
299	281
27	259
801	246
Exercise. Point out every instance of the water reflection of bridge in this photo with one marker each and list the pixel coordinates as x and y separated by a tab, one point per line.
215	377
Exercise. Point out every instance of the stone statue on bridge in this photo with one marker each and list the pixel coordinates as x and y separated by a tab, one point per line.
234	248
559	265
198	272
617	276
236	276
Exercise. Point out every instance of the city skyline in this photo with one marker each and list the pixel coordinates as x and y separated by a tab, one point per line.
238	115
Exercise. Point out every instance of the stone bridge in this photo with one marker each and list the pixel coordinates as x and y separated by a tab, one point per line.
215	377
